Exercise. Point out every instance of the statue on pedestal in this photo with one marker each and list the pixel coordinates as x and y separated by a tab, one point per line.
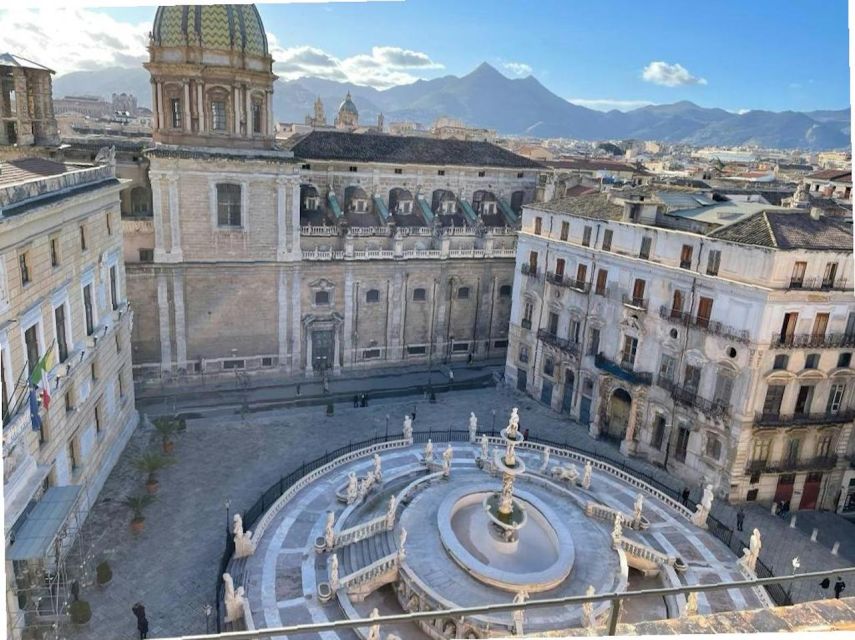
374	629
352	488
545	462
513	423
244	546
408	428
752	553
699	518
378	468
329	532
484	447
332	571
402	539
691	605
390	512
233	600
588	609
473	427
617	531
428	455
507	495
519	614
446	460
586	476
636	513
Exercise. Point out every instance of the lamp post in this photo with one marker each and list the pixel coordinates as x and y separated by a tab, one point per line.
228	504
493	428
208	609
387	426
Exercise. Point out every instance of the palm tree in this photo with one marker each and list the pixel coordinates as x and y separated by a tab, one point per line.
137	504
167	427
150	463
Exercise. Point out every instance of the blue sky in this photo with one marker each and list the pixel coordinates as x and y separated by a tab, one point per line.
734	54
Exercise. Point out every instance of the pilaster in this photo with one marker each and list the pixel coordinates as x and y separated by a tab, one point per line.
282	238
157	213
293	247
282	319
175	253
296	323
348	317
180	326
163	315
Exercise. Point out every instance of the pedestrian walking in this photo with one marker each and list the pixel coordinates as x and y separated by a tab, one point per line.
413	416
469	359
450	375
839	586
685	496
355	400
299	389
525	434
142	622
740	519
326	385
364	400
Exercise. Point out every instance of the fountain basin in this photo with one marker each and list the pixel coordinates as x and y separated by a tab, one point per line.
539	557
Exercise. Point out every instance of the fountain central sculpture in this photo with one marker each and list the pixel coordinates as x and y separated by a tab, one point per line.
507	514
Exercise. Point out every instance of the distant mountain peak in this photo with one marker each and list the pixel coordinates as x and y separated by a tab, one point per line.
485	69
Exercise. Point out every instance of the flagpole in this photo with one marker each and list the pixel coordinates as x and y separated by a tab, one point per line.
28	384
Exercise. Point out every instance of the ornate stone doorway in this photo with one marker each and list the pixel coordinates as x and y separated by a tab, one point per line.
620	405
323	342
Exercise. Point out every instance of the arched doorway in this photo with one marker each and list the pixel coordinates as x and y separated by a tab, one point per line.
618	415
567	401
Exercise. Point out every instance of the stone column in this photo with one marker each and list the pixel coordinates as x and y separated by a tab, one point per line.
180	327
236	93
348	317
175	253
188	127
293	246
308	369
155	116
157	213
282	239
271	126
248	111
200	108
159	106
22	107
296	322
629	445
282	320
337	348
163	314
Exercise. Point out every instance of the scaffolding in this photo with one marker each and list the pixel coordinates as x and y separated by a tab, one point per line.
49	564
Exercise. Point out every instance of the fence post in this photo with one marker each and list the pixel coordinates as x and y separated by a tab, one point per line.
613	616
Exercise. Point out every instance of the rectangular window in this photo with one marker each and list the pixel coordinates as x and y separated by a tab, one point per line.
481	174
256	117
532	262
798	277
146	255
812	361
658	432
54	252
594	342
760	451
638	292
830	275
704	312
565	230
175	104
559	268
723	389
686	257
417	350
31	339
581	275
644	253
791	455
573	331
586	237
440	172
552	323
218	115
114	296
72	455
97	419
682	444
803	400
121	382
713	262
627	356
602	281
61	340
788	327
228	205
93	371
118	338
666	367
25	269
87	309
538	225
607	240
835	398
82	238
781	362
692	378
528	310
844	360
523	354
109	224
69	400
774	397
820	324
353	169
548	366
823	447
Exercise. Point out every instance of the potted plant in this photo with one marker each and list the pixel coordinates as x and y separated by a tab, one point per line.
80	612
103	573
167	427
150	463
137	504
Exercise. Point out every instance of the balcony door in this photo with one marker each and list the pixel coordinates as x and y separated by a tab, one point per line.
820	325
638	291
810	492
677	304
788	327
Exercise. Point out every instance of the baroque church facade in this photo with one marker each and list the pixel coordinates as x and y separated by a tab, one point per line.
340	250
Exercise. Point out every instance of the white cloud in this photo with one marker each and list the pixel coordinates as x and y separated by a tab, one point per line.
607	104
518	69
382	68
73	39
669	75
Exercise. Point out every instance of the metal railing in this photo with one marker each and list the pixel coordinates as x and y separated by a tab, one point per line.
812	341
562	280
704	324
689	397
819	284
529	270
525	324
563	344
624	370
788	464
785	419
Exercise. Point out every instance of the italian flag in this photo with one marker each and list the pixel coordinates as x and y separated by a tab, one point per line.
39	377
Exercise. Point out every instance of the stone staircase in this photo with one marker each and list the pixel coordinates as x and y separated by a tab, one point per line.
355	556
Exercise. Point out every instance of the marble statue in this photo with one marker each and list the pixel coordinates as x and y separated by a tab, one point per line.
408	428
446	460
362	491
545	464
233	600
473	427
370	480
484	446
513	423
636	513
752	553
617	531
106	155
378	468
691	604
567	472
244	545
506	498
588	609
390	512
510	453
699	519
329	533
352	488
519	614
586	476
332	572
374	629
402	539
428	456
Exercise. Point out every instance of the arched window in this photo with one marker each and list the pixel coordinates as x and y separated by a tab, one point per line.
419	295
713	450
372	295
463	293
228	205
677	304
505	291
140	201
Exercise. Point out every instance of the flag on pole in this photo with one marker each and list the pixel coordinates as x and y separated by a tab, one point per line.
35	419
39	377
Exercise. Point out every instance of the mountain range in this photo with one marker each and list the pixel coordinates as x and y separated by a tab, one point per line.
520	106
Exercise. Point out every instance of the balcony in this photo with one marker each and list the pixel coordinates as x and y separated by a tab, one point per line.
819	284
789	464
634	303
790	419
625	370
704	324
565	281
530	271
562	344
690	398
812	341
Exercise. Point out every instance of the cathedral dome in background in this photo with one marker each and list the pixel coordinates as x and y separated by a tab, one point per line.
219	26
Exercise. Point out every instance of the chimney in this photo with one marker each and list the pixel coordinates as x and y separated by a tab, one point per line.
815	213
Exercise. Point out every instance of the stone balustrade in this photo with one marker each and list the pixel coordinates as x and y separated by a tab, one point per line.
644	552
40	187
371	577
361	531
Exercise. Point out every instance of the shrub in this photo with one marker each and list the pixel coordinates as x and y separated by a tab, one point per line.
80	611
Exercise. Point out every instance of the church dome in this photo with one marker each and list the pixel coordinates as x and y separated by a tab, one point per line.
347	106
216	26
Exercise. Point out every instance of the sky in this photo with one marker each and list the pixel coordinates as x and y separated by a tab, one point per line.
734	54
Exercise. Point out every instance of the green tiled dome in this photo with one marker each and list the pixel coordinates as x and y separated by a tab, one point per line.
215	26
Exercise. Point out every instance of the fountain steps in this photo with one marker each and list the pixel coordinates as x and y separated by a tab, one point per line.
360	554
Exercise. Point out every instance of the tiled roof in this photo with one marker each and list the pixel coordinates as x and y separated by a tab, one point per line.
11	60
579	190
835	175
21	169
595	164
786	230
366	147
590	205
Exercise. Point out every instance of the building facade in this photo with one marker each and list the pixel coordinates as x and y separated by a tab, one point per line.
63	304
26	109
348	249
722	354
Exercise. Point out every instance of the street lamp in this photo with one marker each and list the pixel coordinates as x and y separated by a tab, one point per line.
387	426
208	609
493	428
228	504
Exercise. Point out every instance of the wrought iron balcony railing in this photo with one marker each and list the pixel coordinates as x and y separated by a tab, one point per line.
625	370
786	419
704	324
689	397
565	281
812	341
529	270
791	464
560	343
819	284
525	324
